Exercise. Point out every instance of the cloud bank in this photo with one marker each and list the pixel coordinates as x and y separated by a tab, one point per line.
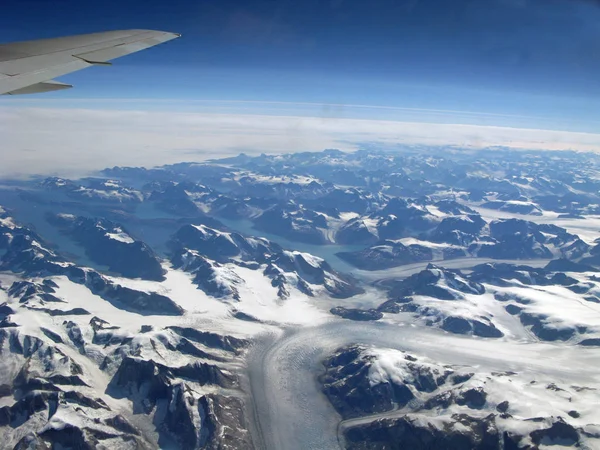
71	141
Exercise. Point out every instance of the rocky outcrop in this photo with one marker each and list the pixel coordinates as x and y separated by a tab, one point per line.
355	384
387	254
357	313
109	244
462	433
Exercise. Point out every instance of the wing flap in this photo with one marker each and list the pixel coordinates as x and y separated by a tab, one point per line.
33	63
46	86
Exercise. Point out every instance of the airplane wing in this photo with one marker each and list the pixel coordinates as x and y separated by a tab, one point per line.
31	66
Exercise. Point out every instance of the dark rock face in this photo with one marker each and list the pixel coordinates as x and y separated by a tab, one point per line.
213	340
387	254
559	433
543	330
456	325
146	303
353	400
408	432
514	247
186	347
594	259
173	198
24	408
355	232
31	441
109	244
136	375
461	230
485	329
243	316
391	227
144	377
502	407
453	207
347	384
436	282
498	273
565	265
520	239
412	215
225	423
357	314
460	325
473	398
180	416
26	252
221	420
118	422
297	225
69	436
60	312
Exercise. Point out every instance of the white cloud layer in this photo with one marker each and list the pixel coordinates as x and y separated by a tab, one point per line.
77	141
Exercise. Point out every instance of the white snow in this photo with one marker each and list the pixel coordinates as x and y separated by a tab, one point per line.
260	300
121	236
276	179
388	366
435	211
434	245
562	307
314	261
530	393
211	232
8	222
371	224
346	216
112	183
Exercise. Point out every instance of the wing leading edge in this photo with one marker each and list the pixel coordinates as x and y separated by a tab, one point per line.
31	66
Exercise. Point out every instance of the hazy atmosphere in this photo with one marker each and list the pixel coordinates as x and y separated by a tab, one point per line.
78	141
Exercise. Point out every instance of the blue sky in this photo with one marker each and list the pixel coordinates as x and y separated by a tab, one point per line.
285	76
534	58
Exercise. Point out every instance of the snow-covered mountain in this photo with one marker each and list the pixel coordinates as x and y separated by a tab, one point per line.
214	257
387	395
193	305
